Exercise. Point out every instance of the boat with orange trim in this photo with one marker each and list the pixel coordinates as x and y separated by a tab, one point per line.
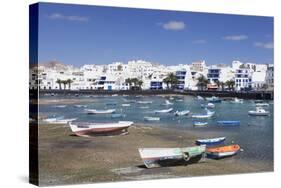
223	151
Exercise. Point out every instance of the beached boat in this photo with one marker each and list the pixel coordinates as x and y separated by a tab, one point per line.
157	157
164	111
222	152
237	101
58	120
148	118
199	123
210	141
94	111
95	129
258	112
262	104
208	115
182	113
228	123
213	99
200	98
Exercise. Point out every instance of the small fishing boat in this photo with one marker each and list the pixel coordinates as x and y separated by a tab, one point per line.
148	118
167	102
222	152
95	129
199	123
158	157
210	141
125	105
94	111
258	112
58	120
262	104
229	123
213	99
182	113
164	111
118	115
200	98
144	102
208	115
237	101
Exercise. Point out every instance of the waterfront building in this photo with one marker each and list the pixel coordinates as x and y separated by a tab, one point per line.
269	78
243	79
258	80
198	66
213	74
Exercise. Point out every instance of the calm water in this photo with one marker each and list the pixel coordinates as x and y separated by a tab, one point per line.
254	135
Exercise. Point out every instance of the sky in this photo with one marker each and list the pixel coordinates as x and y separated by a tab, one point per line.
79	34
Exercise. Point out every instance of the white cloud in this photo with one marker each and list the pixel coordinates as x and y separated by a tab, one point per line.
201	41
58	16
268	45
236	37
173	25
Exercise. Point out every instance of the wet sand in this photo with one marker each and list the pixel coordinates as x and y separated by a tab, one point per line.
68	159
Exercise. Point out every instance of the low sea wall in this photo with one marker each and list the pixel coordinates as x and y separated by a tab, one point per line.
257	95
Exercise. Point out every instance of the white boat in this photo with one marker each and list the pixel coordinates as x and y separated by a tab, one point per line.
80	106
210	141
258	112
126	105
60	106
94	111
198	123
210	105
164	111
208	115
144	102
262	104
238	101
157	157
58	120
147	118
143	107
200	98
88	129
182	113
167	102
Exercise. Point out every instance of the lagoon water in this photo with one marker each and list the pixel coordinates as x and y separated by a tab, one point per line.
254	135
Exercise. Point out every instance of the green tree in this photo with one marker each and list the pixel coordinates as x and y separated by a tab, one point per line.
69	82
59	81
202	82
171	81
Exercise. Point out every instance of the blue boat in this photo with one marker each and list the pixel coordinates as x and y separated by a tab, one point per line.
231	123
210	141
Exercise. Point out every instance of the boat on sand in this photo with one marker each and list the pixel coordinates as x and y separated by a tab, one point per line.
210	141
228	123
147	118
96	129
222	152
58	120
158	157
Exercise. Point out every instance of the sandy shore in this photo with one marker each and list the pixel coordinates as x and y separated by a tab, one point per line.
68	159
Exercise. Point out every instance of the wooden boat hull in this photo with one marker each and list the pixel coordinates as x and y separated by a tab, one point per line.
158	157
223	152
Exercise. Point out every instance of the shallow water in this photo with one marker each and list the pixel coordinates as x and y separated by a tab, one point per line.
254	135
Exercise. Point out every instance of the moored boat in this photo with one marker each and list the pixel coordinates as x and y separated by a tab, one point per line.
94	111
167	102
125	105
182	113
213	99
157	157
199	123
58	120
262	104
164	111
236	100
200	98
222	152
210	141
208	115
148	118
229	123
258	112
95	129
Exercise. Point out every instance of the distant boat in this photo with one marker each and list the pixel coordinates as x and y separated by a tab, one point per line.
179	100
229	123
157	157
88	129
209	105
262	104
144	102
147	118
80	106
200	98
58	120
258	112
114	95
164	111
125	105
222	152
208	115
94	111
213	99
167	102
182	113
144	107
60	106
210	141
198	123
236	100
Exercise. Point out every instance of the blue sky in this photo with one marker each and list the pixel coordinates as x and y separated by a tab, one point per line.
78	35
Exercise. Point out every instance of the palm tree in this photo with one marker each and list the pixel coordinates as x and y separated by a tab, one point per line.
129	81
230	84
64	82
139	83
172	80
202	82
59	81
167	82
69	81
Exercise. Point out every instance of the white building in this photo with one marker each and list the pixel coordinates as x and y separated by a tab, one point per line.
243	79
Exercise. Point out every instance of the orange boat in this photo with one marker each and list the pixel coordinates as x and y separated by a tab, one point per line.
224	151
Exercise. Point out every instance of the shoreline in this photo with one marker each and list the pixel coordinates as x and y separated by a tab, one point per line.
68	159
